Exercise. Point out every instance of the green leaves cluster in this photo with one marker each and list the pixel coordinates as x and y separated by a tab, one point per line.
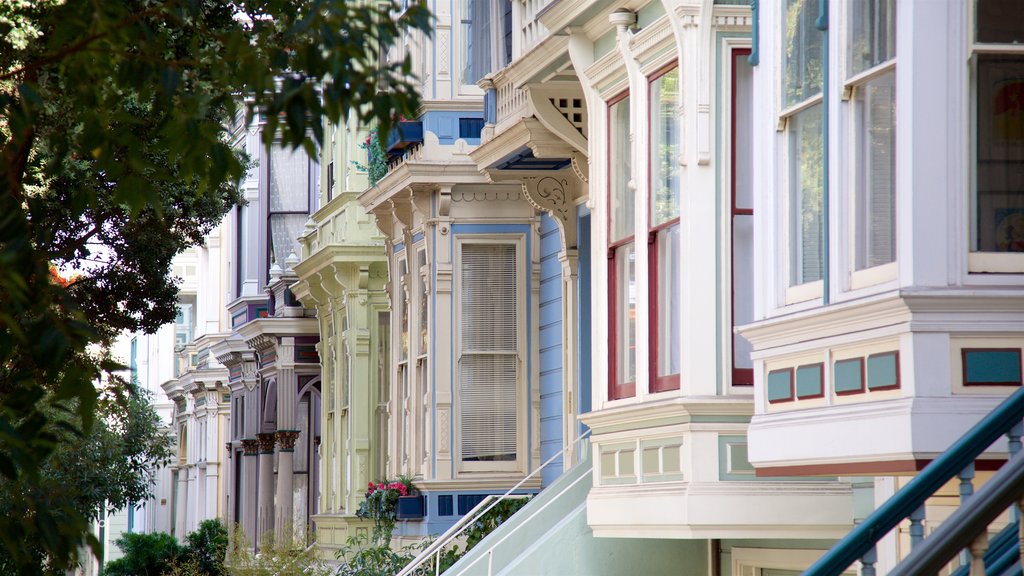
159	554
114	156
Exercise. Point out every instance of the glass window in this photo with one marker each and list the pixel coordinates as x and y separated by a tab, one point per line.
623	273
622	264
664	303
875	172
803	59
489	353
806	187
742	216
288	202
622	197
803	64
871	84
872	31
997	205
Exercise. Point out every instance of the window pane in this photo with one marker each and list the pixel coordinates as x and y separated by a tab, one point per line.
421	261
289	180
622	208
742	286
743	149
806	186
664	148
875	197
1000	21
802	60
872	34
998	210
625	314
669	301
489	361
285	230
476	26
403	309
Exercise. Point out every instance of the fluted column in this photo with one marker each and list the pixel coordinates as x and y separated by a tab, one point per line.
181	503
265	521
247	501
285	512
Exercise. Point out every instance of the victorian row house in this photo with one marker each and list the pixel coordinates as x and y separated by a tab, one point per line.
712	278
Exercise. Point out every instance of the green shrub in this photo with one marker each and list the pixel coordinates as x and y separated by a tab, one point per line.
208	547
145	555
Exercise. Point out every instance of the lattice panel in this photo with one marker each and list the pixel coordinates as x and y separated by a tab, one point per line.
574	110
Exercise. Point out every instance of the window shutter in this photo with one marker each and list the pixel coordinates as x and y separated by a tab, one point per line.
489	360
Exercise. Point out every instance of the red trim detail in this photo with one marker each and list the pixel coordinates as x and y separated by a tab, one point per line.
888	467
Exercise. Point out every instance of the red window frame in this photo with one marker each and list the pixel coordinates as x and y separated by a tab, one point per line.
616	389
740	376
669	381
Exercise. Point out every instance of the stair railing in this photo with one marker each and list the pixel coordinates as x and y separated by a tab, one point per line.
957	461
434	549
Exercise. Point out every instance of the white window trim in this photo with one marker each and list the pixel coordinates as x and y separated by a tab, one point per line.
522	414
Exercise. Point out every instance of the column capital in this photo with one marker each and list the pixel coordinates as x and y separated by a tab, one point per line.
266	442
250	447
286	440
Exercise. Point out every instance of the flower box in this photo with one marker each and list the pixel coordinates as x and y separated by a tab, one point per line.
411	507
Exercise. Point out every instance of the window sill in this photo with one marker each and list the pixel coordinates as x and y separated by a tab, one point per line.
872	276
995	263
804	292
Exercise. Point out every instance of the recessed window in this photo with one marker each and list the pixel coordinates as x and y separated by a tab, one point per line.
742	215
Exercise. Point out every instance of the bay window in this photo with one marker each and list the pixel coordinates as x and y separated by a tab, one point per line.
621	254
802	115
404	395
870	87
997	199
490	353
663	233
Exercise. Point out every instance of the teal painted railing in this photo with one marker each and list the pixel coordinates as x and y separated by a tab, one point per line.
958	461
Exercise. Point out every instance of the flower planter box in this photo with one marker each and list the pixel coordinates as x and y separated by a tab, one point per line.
411	507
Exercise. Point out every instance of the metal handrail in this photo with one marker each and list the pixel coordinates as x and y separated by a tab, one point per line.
961	454
964	525
434	548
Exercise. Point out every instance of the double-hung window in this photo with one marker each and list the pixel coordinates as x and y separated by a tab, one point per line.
802	116
621	254
490	342
405	394
665	301
742	208
997	113
870	88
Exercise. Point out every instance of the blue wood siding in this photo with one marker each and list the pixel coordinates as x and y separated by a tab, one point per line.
550	342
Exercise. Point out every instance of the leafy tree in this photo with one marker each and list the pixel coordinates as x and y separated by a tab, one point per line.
110	467
113	157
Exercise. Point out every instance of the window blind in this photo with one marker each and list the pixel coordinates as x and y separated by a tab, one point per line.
488	366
